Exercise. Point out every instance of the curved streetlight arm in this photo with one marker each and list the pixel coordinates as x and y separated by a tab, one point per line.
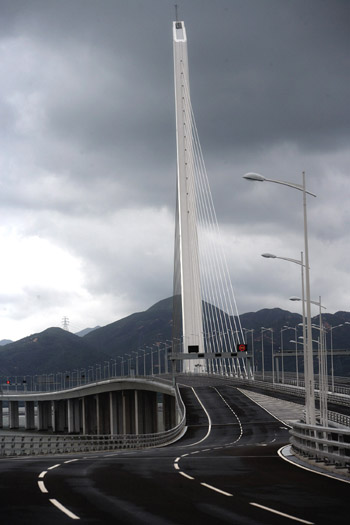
261	178
272	256
312	302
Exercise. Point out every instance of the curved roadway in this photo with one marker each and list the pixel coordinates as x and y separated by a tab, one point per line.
226	469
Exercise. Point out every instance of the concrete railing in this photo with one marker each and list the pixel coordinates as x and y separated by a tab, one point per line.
321	444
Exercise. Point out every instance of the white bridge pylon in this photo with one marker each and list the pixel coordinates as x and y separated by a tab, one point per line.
205	313
187	241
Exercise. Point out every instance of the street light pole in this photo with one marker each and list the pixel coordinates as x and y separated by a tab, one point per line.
262	350
282	347
137	362
251	330
332	361
309	378
144	360
302	266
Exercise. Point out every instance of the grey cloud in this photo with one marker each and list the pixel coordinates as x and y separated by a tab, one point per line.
88	118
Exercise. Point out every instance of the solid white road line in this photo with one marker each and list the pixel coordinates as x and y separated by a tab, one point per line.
216	490
42	487
209	420
63	509
282	514
309	469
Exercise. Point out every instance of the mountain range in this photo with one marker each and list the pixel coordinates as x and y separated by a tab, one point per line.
56	350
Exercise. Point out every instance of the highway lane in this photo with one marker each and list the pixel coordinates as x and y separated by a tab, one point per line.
225	470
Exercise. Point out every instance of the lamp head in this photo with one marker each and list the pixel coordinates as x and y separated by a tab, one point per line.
293	298
254	176
269	255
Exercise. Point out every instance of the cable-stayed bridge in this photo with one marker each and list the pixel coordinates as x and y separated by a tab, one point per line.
95	451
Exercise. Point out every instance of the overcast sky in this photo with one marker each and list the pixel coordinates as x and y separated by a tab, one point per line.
87	157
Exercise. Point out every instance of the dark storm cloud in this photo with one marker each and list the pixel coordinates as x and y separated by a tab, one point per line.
87	112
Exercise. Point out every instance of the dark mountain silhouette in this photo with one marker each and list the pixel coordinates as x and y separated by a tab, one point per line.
4	342
86	331
51	351
56	350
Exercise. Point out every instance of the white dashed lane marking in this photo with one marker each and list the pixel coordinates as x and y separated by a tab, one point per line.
274	511
54	466
63	509
216	489
54	502
42	487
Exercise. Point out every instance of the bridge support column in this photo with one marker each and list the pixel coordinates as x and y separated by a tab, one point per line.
89	415
150	412
60	417
116	412
13	414
29	415
83	414
140	412
1	416
137	394
44	415
169	413
73	416
128	412
103	413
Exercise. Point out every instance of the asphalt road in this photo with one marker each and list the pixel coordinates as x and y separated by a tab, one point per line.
226	469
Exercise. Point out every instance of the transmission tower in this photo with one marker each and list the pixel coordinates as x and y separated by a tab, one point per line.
65	323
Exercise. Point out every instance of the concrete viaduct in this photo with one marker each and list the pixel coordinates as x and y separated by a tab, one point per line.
115	406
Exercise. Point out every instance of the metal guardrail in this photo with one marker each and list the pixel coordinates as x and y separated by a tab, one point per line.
340	419
321	444
17	445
